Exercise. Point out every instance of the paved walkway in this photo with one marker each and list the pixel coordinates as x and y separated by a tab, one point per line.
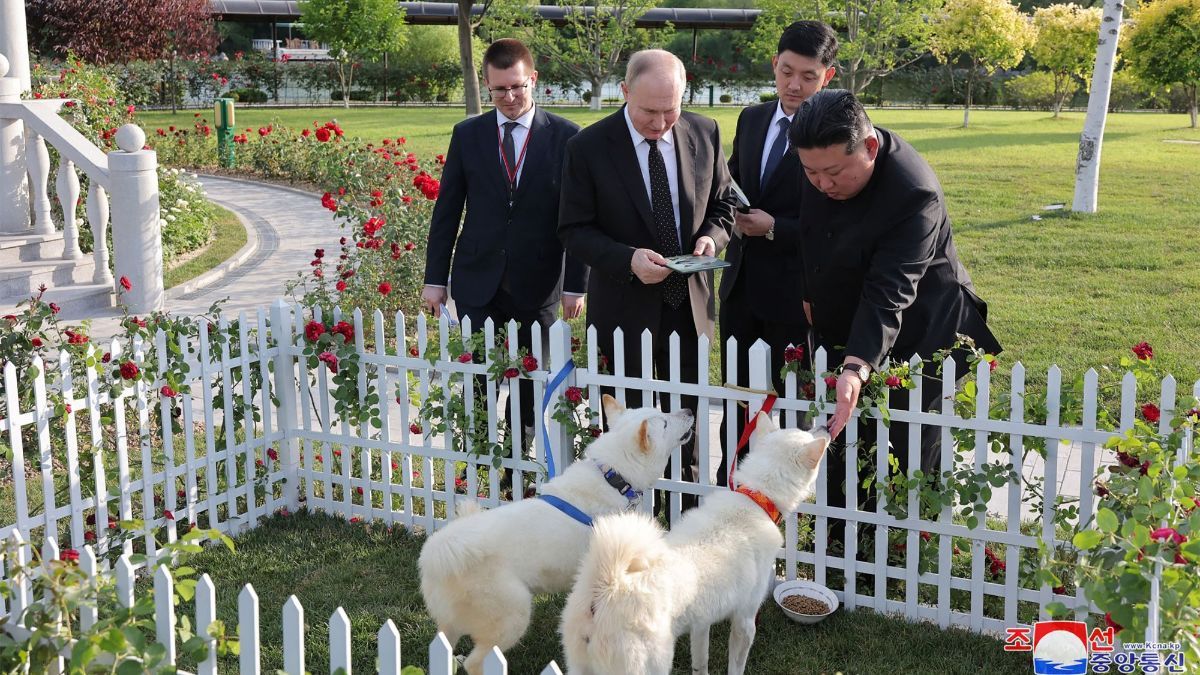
289	224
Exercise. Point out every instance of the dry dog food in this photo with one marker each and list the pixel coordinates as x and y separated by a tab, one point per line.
805	605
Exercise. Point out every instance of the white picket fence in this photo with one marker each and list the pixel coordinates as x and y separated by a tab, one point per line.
405	478
249	635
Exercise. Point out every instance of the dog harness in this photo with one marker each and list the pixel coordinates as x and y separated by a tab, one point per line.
763	502
616	480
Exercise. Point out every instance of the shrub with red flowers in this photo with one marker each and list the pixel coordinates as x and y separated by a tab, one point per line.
331	344
1145	523
381	194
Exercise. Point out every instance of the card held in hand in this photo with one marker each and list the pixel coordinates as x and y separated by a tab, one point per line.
689	264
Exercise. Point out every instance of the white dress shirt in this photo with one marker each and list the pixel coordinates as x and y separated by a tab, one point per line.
519	133
666	146
772	134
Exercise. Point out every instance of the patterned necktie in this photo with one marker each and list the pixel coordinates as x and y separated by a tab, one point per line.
674	286
776	154
510	156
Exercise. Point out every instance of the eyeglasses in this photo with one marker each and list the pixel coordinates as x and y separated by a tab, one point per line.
503	92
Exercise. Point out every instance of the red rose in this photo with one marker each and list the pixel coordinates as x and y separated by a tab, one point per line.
992	364
792	354
55	309
1144	351
1179	559
893	381
574	394
409	246
37	342
305	133
125	284
1151	412
414	428
168	515
385	288
412	351
830	381
595	431
323	135
129	370
465	357
329	202
346	330
167	391
925	536
1108	621
529	363
331	359
273	454
1171	533
319	253
69	555
313	331
1127	459
341	286
1059	589
358	490
809	390
106	358
89	536
1101	490
511	373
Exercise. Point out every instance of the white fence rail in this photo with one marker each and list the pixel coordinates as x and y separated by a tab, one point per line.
247	447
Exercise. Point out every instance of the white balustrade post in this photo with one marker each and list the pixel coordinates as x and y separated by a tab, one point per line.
14	191
137	235
67	185
37	160
97	215
14	41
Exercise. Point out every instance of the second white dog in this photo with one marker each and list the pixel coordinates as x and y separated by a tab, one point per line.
479	574
639	589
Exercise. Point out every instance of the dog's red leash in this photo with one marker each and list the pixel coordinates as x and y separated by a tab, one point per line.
745	439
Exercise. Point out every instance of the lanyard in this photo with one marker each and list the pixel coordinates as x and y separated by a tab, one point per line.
512	172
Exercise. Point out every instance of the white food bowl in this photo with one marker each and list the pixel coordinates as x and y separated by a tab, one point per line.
807	589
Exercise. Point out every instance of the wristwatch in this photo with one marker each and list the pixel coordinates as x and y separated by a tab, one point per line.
863	371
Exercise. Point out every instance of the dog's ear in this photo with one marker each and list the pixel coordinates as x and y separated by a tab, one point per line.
763	425
814	450
612	408
643	438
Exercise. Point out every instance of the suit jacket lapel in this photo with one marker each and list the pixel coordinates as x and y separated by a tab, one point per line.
488	135
758	136
685	152
540	144
627	168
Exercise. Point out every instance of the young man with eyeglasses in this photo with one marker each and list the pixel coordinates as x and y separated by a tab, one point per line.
505	168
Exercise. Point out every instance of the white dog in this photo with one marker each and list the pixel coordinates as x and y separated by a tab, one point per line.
479	574
638	589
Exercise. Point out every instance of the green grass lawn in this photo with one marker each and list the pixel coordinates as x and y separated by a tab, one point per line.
229	236
1075	290
328	563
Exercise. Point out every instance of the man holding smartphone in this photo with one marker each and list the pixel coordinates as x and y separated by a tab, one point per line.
761	292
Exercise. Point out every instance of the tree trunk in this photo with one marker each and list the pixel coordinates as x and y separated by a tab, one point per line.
1059	93
595	102
466	53
345	86
967	107
1087	163
174	93
1192	109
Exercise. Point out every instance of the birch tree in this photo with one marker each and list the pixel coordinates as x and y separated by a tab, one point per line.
1087	163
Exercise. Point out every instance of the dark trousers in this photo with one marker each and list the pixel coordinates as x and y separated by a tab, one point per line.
678	320
737	321
501	310
929	452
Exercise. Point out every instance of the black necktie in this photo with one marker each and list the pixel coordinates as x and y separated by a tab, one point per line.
674	286
510	156
776	153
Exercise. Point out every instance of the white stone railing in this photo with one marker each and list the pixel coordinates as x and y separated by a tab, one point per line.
129	175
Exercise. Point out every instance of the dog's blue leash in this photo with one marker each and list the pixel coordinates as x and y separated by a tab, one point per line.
554	384
567	508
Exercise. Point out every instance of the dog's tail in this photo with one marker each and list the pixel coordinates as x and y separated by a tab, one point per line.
616	619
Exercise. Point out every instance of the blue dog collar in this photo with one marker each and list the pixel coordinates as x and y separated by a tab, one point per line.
619	483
